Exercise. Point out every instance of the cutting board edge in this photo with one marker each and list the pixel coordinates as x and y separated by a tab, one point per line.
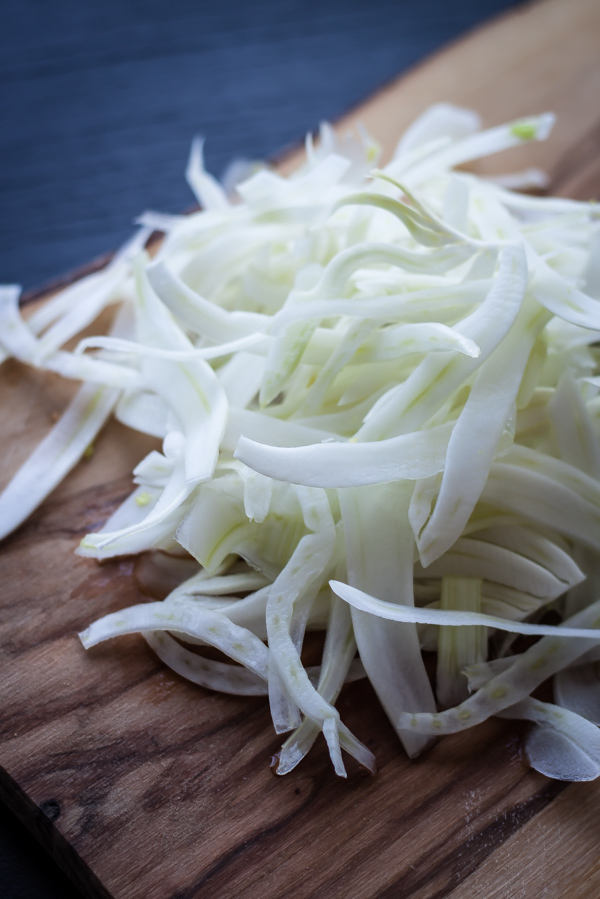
40	826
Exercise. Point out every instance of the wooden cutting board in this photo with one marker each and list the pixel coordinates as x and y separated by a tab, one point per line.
145	787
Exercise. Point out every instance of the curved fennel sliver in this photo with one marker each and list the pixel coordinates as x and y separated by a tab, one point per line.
339	650
188	619
225	677
207	673
350	464
481	423
557	649
379	552
18	340
411	404
360	600
562	744
56	455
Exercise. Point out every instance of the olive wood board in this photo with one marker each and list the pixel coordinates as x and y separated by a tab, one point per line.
143	786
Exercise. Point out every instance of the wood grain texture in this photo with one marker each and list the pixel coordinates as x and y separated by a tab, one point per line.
146	787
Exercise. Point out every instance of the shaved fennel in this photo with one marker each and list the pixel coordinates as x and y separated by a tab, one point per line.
378	396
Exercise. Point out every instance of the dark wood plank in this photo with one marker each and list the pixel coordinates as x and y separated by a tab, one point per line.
145	786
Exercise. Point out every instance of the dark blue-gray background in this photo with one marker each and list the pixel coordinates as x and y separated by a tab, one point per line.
99	102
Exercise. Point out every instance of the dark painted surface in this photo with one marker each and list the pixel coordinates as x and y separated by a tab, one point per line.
99	102
26	871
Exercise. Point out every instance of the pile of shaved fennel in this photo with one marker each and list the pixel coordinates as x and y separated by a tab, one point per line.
378	397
